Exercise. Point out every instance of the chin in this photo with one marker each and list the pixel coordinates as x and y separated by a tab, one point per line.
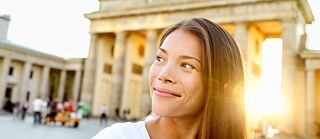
162	111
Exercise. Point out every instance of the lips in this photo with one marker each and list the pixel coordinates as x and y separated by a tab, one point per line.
165	93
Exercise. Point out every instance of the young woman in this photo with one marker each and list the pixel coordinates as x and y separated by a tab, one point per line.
197	87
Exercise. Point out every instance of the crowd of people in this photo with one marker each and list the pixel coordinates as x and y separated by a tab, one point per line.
42	108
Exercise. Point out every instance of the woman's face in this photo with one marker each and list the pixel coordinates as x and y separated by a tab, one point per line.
175	77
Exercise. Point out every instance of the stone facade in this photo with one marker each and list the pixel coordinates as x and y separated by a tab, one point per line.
124	42
312	92
26	74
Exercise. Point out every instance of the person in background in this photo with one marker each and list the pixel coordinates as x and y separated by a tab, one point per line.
36	106
103	114
16	110
44	109
70	107
24	109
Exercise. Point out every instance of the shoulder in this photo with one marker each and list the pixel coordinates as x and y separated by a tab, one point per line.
124	131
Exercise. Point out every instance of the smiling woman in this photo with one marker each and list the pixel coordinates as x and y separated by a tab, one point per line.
197	87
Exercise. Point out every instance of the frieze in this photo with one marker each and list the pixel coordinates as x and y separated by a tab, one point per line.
242	7
224	14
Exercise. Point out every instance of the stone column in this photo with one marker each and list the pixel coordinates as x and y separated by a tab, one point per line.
310	103
117	72
61	85
288	123
44	81
241	36
150	55
98	76
87	90
76	86
25	78
3	79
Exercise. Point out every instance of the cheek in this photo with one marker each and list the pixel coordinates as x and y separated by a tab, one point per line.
195	88
193	82
196	97
152	73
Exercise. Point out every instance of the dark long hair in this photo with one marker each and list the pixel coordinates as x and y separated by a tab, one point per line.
224	115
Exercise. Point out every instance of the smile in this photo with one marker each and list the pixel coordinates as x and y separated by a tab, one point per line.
165	93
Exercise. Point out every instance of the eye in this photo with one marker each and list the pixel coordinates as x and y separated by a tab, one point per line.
159	58
187	66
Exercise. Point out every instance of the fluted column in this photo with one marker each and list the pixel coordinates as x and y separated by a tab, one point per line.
3	78
76	86
98	73
44	81
310	101
241	36
61	85
87	90
117	72
288	123
151	50
25	78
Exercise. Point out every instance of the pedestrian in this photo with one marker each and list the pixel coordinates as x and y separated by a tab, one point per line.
70	107
24	109
44	109
196	85
103	115
60	107
53	110
36	106
16	110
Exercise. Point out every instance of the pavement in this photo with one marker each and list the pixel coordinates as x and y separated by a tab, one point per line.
13	128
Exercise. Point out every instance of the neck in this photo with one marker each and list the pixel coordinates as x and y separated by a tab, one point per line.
178	128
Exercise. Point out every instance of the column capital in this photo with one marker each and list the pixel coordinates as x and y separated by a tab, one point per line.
310	69
93	34
152	34
28	63
121	32
120	36
312	64
240	23
7	58
288	20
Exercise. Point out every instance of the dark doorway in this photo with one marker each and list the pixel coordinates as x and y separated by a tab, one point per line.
28	96
8	93
8	105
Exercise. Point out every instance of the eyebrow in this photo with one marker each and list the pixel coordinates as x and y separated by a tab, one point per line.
183	56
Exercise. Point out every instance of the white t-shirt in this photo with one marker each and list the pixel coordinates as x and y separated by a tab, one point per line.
36	104
124	131
103	109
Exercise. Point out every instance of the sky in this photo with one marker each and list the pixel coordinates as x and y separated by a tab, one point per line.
58	27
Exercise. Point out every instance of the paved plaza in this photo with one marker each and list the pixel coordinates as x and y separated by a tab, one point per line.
16	129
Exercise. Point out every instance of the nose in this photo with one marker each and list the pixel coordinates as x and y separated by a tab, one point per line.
166	74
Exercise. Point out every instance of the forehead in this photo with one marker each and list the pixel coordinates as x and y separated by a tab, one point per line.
183	42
